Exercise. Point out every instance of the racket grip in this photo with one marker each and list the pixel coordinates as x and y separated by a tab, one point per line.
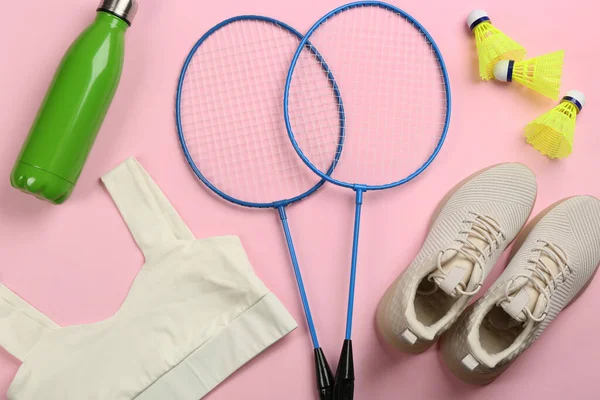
324	376
344	377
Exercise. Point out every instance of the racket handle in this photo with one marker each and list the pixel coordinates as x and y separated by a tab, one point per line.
344	377
324	376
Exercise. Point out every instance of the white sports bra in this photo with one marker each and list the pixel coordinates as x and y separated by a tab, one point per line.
194	314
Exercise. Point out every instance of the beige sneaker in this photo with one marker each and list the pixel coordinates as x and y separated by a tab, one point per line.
472	226
556	257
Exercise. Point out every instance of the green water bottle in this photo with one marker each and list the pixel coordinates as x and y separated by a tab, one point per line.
74	108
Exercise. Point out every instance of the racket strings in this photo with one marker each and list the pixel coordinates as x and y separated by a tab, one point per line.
231	113
393	92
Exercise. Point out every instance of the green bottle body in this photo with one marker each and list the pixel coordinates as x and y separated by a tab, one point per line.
72	112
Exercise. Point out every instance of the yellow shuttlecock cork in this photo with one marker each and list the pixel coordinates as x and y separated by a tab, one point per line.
552	133
492	44
541	74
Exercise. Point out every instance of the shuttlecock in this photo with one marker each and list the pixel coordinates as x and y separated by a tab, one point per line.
552	133
492	44
541	74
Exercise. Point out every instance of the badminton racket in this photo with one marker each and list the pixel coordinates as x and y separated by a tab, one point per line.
396	93
231	128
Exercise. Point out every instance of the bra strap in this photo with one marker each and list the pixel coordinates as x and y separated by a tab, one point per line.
21	325
151	218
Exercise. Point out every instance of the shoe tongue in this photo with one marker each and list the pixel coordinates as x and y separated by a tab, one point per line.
526	295
459	269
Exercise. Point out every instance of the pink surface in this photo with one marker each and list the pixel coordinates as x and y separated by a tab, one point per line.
76	262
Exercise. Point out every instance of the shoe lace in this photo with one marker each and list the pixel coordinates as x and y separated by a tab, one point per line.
482	227
540	270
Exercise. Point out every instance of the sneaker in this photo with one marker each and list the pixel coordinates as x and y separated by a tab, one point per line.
556	258
472	226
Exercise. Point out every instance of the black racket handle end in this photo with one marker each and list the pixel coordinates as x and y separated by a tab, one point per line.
326	393
344	377
324	376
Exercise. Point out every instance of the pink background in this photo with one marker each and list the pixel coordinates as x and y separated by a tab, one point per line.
76	262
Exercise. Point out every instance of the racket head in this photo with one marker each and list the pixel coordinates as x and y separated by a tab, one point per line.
253	134
436	98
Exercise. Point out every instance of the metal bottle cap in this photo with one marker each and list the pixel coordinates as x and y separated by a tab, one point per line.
124	9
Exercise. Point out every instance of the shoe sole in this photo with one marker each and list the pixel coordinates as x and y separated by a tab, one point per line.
455	365
385	330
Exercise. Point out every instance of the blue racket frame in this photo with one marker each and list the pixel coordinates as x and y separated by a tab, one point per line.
279	205
360	189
